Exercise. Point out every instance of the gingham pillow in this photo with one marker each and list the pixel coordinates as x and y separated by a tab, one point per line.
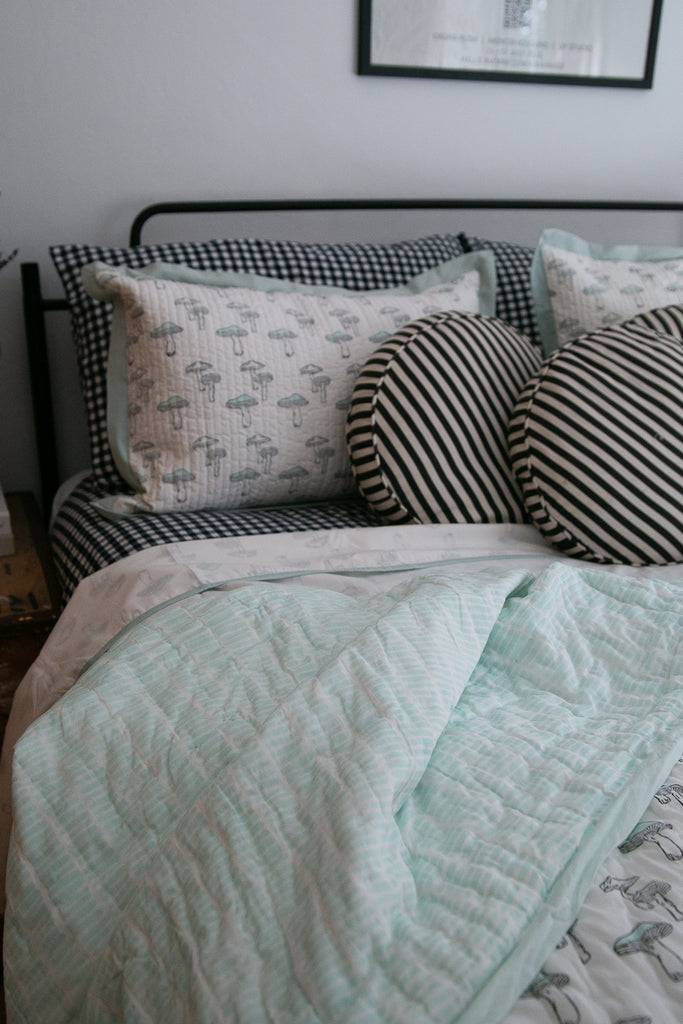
358	266
514	302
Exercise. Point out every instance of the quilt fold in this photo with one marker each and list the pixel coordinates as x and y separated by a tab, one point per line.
273	803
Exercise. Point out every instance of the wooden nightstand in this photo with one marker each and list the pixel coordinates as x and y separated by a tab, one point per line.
29	596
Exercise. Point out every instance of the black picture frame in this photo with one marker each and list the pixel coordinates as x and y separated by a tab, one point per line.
370	63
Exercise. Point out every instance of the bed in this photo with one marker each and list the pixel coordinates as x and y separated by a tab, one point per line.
365	703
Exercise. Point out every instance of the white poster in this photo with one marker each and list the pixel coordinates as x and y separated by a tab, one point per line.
591	39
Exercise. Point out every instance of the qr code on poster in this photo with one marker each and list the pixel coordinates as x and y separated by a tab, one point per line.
517	13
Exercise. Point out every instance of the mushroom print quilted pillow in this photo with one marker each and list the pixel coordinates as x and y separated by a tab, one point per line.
579	286
230	390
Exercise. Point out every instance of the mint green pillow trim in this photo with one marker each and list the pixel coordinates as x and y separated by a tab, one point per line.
117	376
559	239
117	396
482	261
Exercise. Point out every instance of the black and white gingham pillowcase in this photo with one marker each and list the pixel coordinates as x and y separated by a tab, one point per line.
514	302
356	266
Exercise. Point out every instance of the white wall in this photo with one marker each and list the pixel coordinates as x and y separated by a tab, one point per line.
108	106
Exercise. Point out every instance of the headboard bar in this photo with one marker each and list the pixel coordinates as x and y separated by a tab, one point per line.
35	307
264	205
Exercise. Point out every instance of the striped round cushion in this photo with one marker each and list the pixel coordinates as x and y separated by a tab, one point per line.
428	416
596	442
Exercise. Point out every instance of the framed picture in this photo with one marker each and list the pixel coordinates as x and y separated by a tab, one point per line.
564	42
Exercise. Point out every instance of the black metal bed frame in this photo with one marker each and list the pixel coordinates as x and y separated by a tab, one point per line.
36	305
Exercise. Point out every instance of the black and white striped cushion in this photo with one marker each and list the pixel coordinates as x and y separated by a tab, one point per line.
426	426
596	442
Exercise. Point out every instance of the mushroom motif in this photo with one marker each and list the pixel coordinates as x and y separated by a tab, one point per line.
141	446
652	832
131	342
204	443
148	453
266	454
235	332
634	290
324	456
214	457
143	383
647	937
181	478
596	291
243	403
144	388
284	335
319	386
294	475
174	405
548	987
295	403
264	379
208	382
198	367
665	794
252	367
167	331
652	894
350	322
256	440
322	452
250	316
195	311
245	476
341	339
305	322
133	410
311	369
581	951
316	442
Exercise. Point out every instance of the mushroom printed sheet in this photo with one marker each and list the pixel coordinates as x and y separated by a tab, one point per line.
377	775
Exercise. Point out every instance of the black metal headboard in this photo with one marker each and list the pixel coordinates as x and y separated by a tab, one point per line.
36	305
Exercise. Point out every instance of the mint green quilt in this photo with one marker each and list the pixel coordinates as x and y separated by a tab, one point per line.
287	804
